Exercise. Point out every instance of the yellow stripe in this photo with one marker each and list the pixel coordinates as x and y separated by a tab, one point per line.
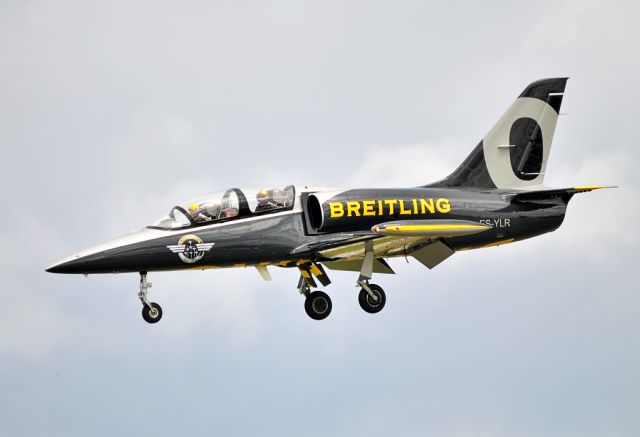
203	268
315	270
498	243
305	273
408	228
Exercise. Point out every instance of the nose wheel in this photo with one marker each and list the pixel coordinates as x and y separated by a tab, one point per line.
151	311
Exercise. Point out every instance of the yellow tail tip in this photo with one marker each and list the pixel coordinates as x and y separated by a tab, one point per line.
584	188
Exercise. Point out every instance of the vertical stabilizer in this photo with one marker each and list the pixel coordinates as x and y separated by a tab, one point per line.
515	152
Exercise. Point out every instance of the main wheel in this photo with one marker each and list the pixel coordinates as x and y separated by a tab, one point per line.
318	305
368	303
152	314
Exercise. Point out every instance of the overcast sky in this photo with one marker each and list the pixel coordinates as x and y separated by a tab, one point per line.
112	112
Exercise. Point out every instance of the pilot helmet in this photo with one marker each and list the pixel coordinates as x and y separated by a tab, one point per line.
193	207
262	195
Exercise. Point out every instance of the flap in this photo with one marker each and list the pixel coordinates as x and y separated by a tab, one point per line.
433	254
263	272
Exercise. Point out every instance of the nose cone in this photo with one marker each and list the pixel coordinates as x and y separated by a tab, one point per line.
76	264
57	267
116	255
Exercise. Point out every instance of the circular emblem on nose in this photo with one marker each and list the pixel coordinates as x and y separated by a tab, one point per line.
191	248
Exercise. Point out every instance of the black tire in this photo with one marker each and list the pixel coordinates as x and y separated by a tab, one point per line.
318	305
147	313
370	305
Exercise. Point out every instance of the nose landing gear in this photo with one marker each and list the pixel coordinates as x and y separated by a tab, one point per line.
151	311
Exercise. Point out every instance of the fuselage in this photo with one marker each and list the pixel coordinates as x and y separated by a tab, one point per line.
285	237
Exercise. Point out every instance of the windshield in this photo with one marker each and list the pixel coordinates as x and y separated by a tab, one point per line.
227	205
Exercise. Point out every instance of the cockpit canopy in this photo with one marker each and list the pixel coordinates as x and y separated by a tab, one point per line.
227	205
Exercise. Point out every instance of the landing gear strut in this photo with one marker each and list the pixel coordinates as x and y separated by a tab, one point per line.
317	304
371	297
151	311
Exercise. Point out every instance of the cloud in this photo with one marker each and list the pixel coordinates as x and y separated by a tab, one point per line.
110	114
404	165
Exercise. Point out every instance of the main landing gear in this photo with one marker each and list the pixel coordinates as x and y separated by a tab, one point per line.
371	298
151	311
317	304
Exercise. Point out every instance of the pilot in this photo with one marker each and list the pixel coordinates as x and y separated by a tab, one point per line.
230	212
204	212
278	198
265	202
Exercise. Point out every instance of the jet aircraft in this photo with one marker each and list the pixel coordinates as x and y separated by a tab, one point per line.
496	196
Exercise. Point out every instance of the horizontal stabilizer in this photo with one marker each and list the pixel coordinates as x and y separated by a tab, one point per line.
430	228
547	194
585	188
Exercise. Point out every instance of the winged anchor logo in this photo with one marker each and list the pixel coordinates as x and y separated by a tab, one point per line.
190	248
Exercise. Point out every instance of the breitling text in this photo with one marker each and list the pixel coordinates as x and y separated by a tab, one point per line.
389	207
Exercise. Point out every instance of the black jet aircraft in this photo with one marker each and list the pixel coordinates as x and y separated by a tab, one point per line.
496	196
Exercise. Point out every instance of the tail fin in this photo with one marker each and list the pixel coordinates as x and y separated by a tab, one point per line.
515	152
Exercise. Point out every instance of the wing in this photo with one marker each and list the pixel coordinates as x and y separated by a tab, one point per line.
204	247
178	248
355	265
420	239
350	256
